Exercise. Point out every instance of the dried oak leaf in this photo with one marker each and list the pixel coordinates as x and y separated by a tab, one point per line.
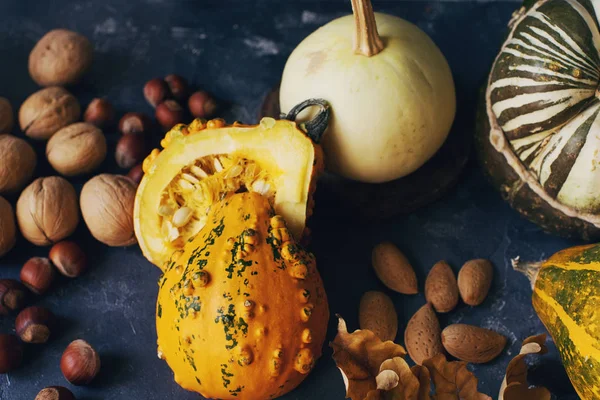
395	381
422	374
514	386
452	380
359	356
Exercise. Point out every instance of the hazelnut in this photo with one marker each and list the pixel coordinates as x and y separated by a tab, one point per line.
8	227
17	163
169	113
6	116
55	393
107	207
202	105
60	58
34	324
133	123
11	353
100	113
12	296
47	210
69	258
76	149
80	363
136	174
156	91
177	86
37	274
131	149
48	110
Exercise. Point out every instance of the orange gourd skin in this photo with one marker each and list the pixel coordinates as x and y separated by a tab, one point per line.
241	310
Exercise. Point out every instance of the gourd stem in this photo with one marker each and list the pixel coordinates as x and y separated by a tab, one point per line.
316	127
366	38
530	269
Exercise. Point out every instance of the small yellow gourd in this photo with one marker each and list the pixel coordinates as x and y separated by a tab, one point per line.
241	311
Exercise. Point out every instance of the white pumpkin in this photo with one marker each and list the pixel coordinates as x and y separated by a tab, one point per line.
390	88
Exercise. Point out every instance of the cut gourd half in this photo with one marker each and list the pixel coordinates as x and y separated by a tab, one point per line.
202	162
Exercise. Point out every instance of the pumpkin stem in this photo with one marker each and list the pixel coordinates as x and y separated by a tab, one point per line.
530	269
316	127
366	38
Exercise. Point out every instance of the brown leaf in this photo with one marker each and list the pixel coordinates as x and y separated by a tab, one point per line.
359	356
452	380
422	374
514	386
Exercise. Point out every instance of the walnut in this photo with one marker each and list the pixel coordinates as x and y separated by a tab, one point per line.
48	110
17	163
8	230
60	58
47	210
107	207
6	116
76	149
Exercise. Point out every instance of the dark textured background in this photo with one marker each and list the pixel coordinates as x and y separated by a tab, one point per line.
237	49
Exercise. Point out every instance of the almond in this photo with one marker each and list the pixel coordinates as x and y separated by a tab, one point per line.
393	269
472	343
422	335
377	314
474	281
441	289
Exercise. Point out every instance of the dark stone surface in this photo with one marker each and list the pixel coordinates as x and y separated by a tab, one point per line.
237	50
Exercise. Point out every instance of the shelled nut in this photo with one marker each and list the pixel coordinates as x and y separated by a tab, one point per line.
80	363
12	296
69	258
133	123
55	393
35	324
156	91
131	150
177	86
202	105
99	112
37	274
169	113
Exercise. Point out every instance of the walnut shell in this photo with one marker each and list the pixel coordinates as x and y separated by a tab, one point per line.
107	207
60	58
17	163
47	210
48	110
8	229
76	149
6	116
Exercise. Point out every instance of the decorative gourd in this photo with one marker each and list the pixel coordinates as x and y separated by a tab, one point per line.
540	118
241	311
205	160
566	297
390	88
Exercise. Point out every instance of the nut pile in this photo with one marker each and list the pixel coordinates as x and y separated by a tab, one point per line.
167	96
423	336
46	209
80	363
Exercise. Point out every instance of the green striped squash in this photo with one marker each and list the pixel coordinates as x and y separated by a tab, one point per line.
566	297
539	124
